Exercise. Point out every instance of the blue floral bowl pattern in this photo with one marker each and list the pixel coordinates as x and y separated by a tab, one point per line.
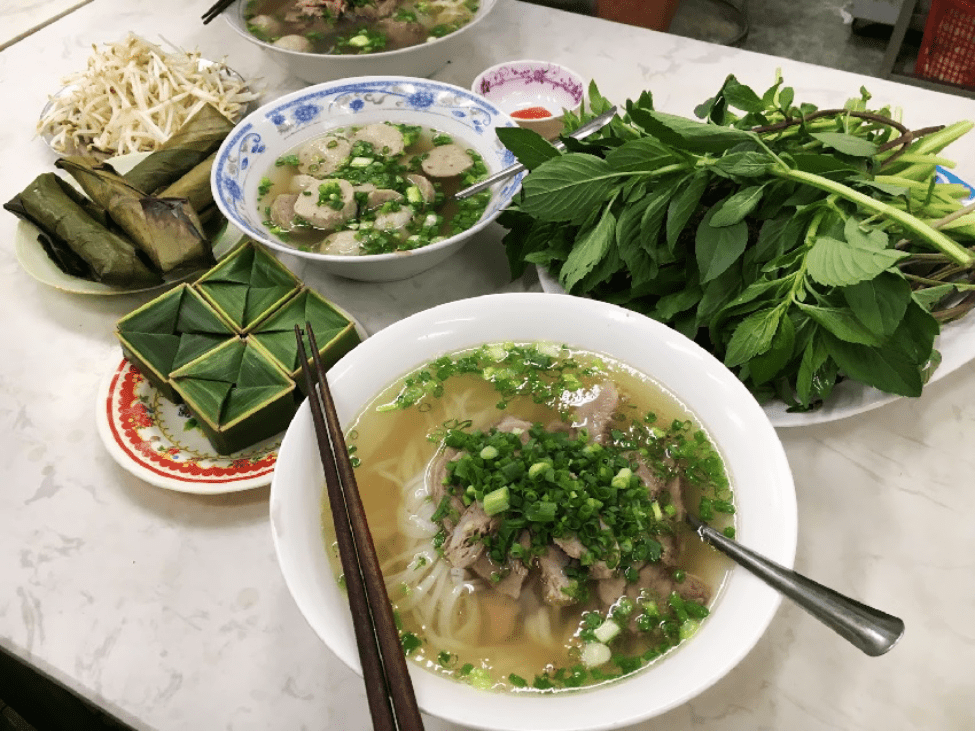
278	127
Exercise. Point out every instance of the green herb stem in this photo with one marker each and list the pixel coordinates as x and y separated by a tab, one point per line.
911	223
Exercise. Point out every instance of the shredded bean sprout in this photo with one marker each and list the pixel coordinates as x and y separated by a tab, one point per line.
133	96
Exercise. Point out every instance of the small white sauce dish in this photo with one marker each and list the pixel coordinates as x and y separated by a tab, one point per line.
520	88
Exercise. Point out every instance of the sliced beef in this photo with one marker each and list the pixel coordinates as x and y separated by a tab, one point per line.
377	9
436	476
658	582
402	33
464	546
596	414
571	545
514	425
694	589
647	477
552	565
507	579
609	590
675	488
672	546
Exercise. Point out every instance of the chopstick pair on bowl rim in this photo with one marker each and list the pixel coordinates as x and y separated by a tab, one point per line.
389	689
215	10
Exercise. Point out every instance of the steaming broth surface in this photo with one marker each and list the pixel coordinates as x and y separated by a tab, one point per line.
452	621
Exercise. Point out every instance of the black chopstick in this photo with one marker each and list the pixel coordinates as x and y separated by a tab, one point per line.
215	10
389	689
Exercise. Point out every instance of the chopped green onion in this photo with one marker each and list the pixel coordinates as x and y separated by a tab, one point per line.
497	501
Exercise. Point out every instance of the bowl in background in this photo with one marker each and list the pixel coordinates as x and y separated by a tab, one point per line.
534	93
276	128
754	457
424	59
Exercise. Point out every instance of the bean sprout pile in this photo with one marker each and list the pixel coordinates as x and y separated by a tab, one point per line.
133	96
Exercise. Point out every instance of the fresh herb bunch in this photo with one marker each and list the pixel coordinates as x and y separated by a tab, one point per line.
800	246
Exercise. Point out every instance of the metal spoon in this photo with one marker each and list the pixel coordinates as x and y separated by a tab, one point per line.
872	631
585	130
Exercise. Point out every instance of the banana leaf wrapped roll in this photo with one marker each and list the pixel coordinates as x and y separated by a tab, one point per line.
197	139
77	238
168	230
194	186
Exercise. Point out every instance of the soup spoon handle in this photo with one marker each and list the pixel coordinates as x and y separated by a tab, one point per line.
593	125
872	631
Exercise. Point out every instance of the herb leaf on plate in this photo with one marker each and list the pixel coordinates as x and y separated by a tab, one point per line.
799	245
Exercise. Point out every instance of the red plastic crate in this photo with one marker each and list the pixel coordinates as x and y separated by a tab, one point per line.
948	46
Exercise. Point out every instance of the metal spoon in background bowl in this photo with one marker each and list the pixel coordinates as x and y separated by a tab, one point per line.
594	124
872	631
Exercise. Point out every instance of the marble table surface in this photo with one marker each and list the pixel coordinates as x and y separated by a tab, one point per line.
169	610
20	18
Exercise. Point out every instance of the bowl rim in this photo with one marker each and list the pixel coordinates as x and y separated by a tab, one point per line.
503	120
527	63
574	710
235	17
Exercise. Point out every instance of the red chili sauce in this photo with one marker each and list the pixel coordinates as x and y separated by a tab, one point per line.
531	113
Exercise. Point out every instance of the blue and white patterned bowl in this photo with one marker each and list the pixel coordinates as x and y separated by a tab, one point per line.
278	127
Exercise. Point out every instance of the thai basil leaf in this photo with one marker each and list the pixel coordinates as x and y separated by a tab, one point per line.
689	135
753	336
929	297
670	305
684	204
635	255
872	239
589	249
916	334
842	324
718	292
741	96
836	263
827	165
718	248
884	368
846	143
815	377
777	236
639	155
879	303
653	217
528	146
768	365
743	164
735	207
568	188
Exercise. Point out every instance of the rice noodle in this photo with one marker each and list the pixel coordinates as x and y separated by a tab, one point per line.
133	96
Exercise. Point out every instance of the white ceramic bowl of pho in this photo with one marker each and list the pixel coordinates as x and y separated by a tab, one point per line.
413	41
357	175
550	636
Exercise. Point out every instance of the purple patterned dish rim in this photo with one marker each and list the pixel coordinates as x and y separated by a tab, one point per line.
528	74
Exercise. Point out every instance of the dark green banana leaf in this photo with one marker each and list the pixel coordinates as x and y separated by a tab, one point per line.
190	145
80	243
